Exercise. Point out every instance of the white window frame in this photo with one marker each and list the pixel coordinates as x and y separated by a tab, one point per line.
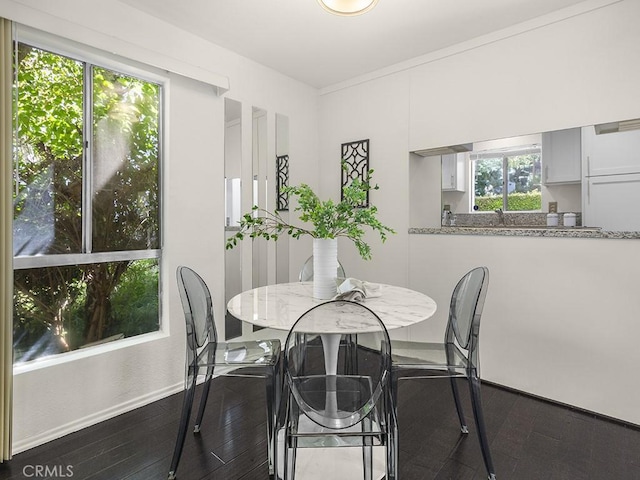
503	153
95	57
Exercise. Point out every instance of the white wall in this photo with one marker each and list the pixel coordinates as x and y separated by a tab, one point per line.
572	302
380	112
560	319
575	72
57	397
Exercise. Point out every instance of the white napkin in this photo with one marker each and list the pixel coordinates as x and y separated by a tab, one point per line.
357	290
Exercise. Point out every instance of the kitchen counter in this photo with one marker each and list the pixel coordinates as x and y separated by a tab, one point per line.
523	231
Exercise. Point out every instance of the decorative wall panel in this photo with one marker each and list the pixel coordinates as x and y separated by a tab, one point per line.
282	175
355	156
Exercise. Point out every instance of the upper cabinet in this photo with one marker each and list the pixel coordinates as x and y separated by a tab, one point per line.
561	156
610	152
453	168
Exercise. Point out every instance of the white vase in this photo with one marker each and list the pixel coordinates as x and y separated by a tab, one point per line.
325	267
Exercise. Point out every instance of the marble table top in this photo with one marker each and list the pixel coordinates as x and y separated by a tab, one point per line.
279	306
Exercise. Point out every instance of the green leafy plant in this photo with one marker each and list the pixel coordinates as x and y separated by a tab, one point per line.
516	201
346	218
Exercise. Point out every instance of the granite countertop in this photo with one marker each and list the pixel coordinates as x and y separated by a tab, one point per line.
524	231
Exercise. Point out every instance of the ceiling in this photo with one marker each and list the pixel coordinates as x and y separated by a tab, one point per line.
301	40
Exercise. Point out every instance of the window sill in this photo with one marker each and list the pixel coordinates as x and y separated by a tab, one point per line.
83	353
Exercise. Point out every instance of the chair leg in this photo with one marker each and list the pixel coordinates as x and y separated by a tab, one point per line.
393	454
187	404
476	403
285	455
367	462
203	399
271	389
392	444
456	399
289	444
367	451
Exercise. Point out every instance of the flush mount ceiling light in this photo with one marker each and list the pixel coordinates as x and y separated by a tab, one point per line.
347	7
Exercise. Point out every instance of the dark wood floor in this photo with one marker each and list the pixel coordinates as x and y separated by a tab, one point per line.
530	439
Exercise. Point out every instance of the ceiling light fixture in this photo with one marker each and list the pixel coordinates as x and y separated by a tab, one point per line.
347	7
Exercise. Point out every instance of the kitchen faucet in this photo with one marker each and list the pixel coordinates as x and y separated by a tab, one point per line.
500	216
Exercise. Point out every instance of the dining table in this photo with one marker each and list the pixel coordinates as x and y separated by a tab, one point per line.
279	306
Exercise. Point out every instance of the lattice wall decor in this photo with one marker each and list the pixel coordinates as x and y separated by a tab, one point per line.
282	175
356	157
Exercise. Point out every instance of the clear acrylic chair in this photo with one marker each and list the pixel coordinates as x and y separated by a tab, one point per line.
457	356
204	353
327	402
306	272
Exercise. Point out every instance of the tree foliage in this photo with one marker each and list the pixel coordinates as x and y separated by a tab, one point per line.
51	180
523	178
518	202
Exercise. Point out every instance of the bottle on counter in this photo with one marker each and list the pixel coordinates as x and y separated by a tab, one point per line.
446	218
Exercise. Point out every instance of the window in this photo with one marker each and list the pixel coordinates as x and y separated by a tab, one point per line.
86	225
507	179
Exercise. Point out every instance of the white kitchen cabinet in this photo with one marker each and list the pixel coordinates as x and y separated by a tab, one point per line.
611	202
453	172
614	153
561	156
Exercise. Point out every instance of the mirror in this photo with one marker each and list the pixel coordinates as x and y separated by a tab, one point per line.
259	170
593	171
253	158
233	212
282	202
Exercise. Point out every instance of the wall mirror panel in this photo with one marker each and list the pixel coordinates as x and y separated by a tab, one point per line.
282	200
233	207
592	171
259	168
256	151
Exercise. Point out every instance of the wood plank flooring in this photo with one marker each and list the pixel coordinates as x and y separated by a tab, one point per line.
530	440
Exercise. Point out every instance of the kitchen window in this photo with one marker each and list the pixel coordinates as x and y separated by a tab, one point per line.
86	224
507	179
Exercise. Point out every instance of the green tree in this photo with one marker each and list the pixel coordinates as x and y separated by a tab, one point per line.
488	177
48	203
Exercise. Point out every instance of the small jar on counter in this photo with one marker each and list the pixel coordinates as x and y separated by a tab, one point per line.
552	220
569	219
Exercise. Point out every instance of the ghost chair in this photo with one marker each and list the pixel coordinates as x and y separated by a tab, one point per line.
324	404
205	354
456	357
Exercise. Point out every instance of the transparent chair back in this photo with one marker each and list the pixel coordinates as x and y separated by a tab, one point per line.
198	310
465	312
339	384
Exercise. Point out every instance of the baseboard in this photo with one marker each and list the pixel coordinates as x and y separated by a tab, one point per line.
598	415
79	424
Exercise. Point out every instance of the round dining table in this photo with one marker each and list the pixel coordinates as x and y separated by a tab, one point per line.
278	306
